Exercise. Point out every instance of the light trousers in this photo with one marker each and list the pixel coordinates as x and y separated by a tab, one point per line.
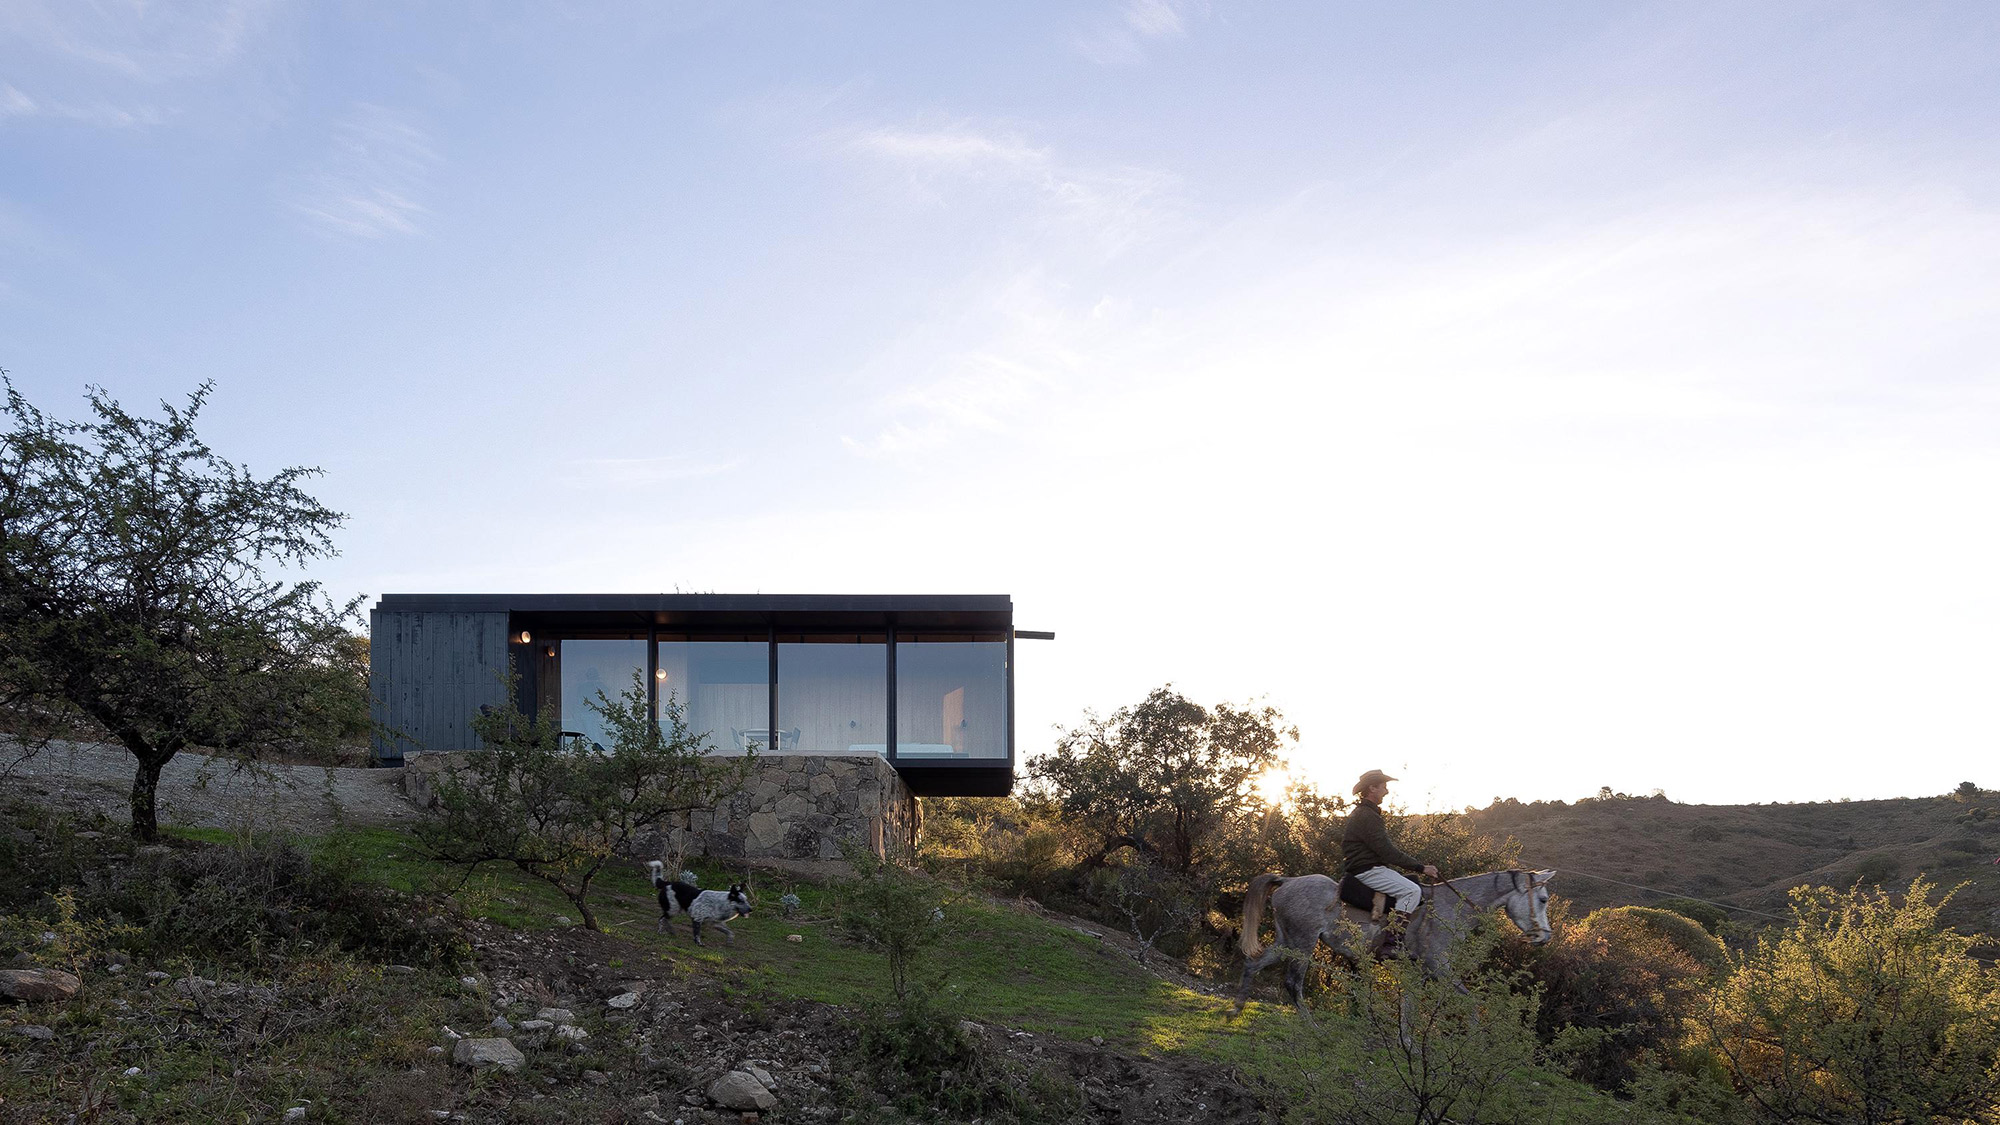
1395	884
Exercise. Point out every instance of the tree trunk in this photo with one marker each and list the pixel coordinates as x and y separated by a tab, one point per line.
145	794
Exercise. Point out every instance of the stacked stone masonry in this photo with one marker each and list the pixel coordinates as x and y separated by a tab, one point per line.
792	807
801	807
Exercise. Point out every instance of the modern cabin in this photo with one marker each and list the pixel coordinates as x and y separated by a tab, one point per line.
924	683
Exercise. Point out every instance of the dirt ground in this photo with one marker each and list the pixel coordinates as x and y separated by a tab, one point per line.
689	1027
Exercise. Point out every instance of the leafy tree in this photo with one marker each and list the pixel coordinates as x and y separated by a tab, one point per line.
133	594
1966	790
561	810
1162	776
1864	1010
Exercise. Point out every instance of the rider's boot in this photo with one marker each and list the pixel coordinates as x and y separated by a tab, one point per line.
1392	932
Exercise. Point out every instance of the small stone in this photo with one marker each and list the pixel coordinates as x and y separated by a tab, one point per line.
480	1053
36	1031
571	1032
117	957
738	1090
795	937
596	1077
114	968
565	920
399	970
157	975
556	1015
969	1027
296	1113
815	1068
33	985
131	1072
762	1075
536	1025
88	835
500	1024
450	1034
469	982
1097	1040
435	1050
624	1000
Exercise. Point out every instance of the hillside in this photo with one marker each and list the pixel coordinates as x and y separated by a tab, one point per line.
1748	856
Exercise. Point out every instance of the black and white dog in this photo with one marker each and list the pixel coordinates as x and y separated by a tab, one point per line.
699	905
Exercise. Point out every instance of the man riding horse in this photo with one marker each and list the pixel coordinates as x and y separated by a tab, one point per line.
1368	856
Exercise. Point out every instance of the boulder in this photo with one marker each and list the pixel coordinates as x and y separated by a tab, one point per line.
479	1053
740	1090
556	1015
35	985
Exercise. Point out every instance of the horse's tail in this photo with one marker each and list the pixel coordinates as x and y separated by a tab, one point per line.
1253	910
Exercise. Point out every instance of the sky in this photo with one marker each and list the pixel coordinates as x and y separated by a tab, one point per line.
1522	398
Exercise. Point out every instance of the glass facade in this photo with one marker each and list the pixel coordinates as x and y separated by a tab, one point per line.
833	697
832	693
724	688
951	700
590	667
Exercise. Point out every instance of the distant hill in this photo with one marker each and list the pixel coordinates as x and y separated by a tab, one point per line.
1750	855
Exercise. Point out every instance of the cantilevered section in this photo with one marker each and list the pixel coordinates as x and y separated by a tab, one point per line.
925	681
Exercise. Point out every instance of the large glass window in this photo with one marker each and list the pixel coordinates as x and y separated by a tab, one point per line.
833	696
590	667
951	699
724	688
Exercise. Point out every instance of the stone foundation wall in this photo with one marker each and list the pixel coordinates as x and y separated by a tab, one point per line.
792	807
800	807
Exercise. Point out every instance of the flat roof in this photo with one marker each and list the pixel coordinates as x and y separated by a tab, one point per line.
936	611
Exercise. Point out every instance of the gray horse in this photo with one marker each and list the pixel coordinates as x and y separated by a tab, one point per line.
1307	910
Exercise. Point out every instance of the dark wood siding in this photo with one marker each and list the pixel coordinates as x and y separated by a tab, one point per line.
429	672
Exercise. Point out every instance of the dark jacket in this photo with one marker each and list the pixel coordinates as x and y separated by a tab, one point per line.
1366	844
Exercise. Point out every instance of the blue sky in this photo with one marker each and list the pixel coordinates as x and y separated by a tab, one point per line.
1523	399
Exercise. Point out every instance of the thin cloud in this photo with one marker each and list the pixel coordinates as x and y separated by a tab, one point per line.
371	185
1120	37
138	39
17	105
1110	206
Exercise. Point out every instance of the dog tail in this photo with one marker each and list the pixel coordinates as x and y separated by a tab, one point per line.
659	873
1253	910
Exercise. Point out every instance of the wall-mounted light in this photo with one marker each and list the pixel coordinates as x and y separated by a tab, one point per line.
548	650
523	637
660	674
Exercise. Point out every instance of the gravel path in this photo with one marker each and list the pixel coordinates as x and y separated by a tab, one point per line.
200	791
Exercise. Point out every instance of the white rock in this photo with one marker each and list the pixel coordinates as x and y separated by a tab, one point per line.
762	1075
571	1032
35	985
556	1015
624	1000
469	982
296	1113
565	920
131	1072
477	1053
738	1090
500	1024
536	1025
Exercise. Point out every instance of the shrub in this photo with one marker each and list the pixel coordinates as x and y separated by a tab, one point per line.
902	914
1631	976
1401	1048
1709	916
1876	869
1864	1009
1704	833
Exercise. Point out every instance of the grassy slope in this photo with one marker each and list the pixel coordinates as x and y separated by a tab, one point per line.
1749	855
1010	967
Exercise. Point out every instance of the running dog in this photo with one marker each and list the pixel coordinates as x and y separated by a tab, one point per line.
699	905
